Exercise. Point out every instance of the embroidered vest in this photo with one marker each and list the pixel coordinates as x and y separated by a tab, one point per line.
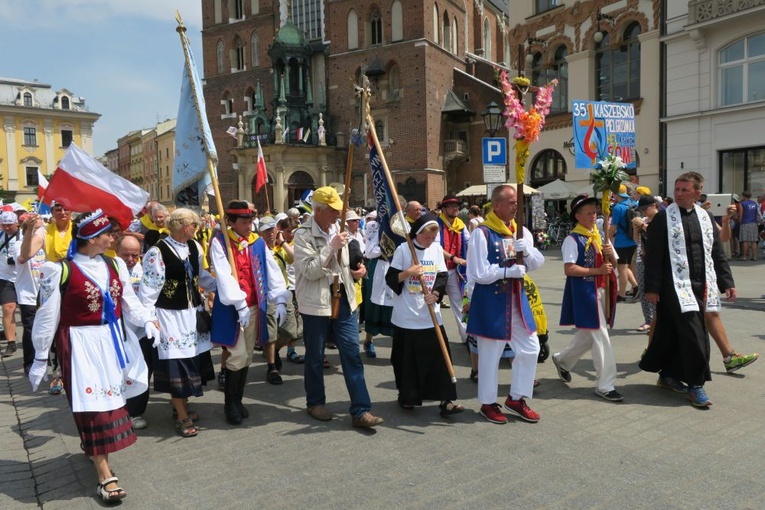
491	313
151	238
225	320
176	294
580	298
82	302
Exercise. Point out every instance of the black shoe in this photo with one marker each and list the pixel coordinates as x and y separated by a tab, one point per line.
611	396
273	377
565	375
620	299
331	345
243	410
10	350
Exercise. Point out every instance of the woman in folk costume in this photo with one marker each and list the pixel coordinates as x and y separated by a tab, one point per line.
418	363
172	274
84	299
587	263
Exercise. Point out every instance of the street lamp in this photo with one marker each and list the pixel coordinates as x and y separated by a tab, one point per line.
492	118
599	35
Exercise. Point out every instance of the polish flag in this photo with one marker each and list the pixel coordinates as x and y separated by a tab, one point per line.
261	177
81	183
42	185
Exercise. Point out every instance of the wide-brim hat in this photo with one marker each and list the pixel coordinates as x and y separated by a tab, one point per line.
579	201
449	200
351	215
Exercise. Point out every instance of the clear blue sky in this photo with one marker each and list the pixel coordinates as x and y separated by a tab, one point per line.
123	56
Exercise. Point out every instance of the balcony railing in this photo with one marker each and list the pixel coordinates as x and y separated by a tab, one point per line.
455	149
700	11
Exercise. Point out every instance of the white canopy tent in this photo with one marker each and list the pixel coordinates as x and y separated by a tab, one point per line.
556	190
480	190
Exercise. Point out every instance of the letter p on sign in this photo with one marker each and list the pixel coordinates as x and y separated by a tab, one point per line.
494	151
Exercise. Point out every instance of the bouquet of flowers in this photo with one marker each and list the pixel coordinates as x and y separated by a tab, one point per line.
527	124
609	175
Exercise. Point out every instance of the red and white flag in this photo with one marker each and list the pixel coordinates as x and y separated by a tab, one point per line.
261	177
82	184
42	185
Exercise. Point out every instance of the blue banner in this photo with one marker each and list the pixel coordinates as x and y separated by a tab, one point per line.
392	230
602	128
194	144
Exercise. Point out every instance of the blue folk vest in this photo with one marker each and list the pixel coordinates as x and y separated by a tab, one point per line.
491	312
580	298
225	319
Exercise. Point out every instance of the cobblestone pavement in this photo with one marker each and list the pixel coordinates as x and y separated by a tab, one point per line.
654	450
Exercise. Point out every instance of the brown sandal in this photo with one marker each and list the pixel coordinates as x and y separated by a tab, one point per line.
186	428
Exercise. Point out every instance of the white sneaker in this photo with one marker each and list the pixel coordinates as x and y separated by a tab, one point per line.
139	422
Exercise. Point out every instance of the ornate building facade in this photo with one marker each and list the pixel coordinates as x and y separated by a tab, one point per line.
39	124
432	68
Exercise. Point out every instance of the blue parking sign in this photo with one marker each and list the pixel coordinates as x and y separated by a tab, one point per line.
494	151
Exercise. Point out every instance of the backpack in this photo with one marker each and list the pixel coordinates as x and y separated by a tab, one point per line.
631	213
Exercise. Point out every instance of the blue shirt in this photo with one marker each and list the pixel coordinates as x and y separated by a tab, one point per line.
619	220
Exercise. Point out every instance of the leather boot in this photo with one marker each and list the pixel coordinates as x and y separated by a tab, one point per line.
231	405
240	393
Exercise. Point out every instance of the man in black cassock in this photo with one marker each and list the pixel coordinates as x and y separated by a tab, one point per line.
682	285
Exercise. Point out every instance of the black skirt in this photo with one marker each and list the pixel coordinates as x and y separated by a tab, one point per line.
376	317
419	367
183	378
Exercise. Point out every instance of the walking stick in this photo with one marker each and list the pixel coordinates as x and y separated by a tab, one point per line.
402	219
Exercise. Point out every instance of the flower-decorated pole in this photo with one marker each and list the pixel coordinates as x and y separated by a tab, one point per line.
527	124
608	176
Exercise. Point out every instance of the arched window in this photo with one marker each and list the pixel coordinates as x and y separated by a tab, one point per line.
617	70
742	71
353	30
255	49
64	103
237	55
541	75
380	128
548	166
220	51
455	36
235	9
436	21
375	22
486	39
27	99
394	81
396	21
447	31
227	103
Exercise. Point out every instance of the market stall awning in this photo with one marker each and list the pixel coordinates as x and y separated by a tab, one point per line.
480	190
556	190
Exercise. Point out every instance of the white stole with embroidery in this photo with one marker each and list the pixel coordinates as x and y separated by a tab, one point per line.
678	259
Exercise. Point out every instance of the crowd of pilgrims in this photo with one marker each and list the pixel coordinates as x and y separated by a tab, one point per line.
106	309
